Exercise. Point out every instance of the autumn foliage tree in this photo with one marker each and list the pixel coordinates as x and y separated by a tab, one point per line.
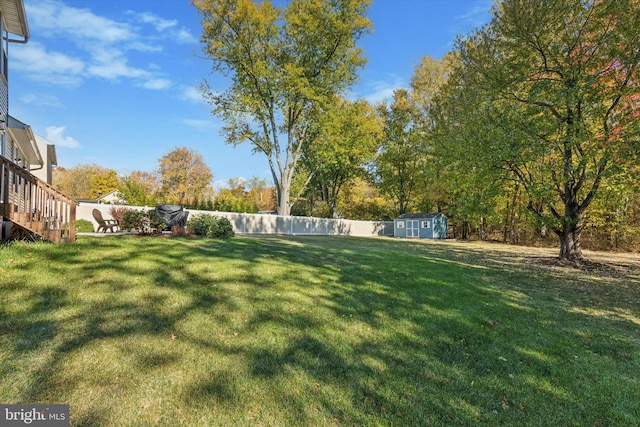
429	77
346	144
283	64
400	165
87	181
140	188
546	92
184	176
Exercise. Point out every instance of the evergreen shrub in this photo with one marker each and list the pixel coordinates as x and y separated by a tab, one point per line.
211	226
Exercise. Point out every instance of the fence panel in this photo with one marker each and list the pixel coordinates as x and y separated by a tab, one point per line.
244	223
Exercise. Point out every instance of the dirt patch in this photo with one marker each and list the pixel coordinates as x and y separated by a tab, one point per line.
586	265
600	264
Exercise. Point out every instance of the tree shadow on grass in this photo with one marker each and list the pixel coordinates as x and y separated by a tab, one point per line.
470	331
362	331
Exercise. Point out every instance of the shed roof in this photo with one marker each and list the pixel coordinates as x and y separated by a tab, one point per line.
420	215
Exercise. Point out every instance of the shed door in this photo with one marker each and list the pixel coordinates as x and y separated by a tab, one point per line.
413	228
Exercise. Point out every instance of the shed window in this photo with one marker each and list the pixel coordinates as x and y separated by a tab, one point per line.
400	224
426	224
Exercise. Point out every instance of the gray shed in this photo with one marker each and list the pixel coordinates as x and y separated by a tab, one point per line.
421	226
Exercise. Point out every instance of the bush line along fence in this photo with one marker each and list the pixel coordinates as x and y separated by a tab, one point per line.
244	223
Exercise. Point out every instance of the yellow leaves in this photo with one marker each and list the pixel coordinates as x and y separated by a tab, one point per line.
505	403
183	173
428	78
283	64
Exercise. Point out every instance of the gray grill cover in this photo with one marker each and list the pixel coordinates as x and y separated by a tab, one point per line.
173	215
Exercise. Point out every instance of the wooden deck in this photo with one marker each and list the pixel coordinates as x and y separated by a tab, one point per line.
33	205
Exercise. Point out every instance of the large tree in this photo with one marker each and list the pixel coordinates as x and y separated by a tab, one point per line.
88	181
429	77
347	143
184	176
400	165
546	91
283	65
140	188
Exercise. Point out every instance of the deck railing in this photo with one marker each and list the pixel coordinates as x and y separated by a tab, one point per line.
34	205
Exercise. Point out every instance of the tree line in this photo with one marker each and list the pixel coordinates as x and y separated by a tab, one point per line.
530	122
526	132
182	177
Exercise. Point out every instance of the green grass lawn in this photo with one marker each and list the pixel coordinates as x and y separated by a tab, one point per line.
318	331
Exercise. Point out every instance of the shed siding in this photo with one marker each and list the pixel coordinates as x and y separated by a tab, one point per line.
430	226
399	228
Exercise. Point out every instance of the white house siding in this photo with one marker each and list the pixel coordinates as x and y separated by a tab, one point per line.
4	118
4	96
4	88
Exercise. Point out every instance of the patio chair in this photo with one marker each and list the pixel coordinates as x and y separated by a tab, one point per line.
104	224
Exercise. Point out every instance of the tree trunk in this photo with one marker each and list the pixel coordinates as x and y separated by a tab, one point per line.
570	248
282	183
505	228
284	206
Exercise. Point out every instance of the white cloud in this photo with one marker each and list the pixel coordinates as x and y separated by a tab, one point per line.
57	19
191	94
54	67
381	90
158	22
202	125
40	100
184	36
167	28
55	135
111	63
476	16
145	47
157	84
94	46
115	69
382	94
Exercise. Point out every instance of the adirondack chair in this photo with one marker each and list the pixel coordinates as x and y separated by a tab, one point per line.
104	224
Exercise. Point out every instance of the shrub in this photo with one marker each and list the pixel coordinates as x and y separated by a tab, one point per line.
84	226
156	222
139	220
225	229
132	219
211	226
117	212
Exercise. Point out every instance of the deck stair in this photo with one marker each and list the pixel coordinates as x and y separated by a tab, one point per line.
34	205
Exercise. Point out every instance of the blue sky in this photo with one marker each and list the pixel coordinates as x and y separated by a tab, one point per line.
115	82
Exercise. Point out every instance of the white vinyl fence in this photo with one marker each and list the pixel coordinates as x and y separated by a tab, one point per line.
244	223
